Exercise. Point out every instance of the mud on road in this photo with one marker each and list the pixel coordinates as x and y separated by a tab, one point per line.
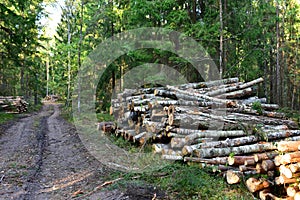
42	157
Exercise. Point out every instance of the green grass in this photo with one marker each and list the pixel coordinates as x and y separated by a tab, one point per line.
4	117
104	117
181	181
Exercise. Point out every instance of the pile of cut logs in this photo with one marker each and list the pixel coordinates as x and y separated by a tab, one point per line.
219	124
13	104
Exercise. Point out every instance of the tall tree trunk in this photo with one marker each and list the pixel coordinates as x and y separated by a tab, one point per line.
221	38
47	76
278	80
79	53
69	57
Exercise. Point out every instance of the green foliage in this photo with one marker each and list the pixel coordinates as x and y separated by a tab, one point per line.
105	117
4	117
257	106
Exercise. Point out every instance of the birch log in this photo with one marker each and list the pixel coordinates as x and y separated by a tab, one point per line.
214	152
214	161
215	134
238	87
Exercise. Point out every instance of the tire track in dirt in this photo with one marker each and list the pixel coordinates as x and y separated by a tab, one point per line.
42	157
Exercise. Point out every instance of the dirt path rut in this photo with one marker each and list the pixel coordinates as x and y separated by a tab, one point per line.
42	157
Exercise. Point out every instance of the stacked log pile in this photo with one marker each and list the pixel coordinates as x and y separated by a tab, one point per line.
183	123
13	104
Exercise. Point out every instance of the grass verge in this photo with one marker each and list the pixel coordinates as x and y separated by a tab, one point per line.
4	117
181	181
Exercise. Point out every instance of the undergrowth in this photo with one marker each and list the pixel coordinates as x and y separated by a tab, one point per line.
181	181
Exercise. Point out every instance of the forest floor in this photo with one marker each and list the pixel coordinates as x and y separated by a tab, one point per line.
42	157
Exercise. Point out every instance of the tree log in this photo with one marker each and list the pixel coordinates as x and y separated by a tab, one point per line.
287	158
297	196
238	94
208	83
233	177
264	156
294	167
285	171
282	179
214	152
292	190
259	169
214	161
171	157
255	185
142	138
238	160
157	148
214	133
268	165
288	146
237	87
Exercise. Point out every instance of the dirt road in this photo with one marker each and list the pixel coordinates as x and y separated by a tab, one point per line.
42	157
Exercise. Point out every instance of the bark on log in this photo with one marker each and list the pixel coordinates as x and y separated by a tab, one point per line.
214	133
238	160
264	156
178	142
231	142
269	107
259	169
255	185
214	161
171	157
237	87
153	127
214	152
249	162
244	168
238	94
200	97
209	83
268	165
142	138
157	148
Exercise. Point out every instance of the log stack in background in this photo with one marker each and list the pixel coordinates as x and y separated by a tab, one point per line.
13	104
183	123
